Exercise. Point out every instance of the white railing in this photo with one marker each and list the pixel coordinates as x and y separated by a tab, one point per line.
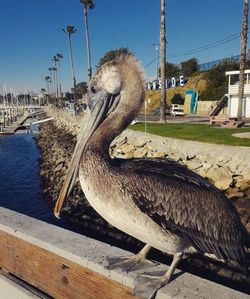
234	89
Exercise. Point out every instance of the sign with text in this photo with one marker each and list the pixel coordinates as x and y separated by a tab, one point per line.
156	84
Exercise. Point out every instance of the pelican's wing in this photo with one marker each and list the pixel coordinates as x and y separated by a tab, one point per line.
182	201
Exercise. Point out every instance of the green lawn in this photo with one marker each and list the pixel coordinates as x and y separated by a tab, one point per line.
197	132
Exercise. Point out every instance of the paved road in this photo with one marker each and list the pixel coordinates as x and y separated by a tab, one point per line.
173	119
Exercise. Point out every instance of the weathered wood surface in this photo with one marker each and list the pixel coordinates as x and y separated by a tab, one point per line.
53	274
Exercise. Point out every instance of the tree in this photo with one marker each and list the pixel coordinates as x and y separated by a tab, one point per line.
243	46
54	69
112	54
48	80
87	4
171	70
189	67
81	89
217	84
163	63
70	30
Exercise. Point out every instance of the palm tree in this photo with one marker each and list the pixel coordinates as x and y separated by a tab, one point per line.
87	4
43	91
243	46
54	69
59	56
51	77
47	80
163	63
56	59
70	30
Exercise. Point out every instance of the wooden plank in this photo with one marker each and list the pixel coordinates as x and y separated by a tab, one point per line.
55	275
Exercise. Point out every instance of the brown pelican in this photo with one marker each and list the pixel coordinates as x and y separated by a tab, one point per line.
157	201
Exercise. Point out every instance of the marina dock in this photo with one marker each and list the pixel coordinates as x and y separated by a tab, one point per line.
11	118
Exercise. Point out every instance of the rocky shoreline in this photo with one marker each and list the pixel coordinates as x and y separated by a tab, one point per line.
57	139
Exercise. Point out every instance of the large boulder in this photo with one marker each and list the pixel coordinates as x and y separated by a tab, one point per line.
220	176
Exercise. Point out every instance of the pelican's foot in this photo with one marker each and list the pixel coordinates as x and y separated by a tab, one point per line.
128	264
149	289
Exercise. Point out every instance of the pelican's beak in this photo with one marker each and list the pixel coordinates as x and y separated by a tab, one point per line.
101	104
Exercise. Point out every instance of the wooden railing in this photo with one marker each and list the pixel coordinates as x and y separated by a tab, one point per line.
63	264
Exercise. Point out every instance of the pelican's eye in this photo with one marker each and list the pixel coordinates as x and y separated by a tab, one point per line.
93	89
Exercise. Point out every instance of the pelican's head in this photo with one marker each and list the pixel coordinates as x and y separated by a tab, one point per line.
116	94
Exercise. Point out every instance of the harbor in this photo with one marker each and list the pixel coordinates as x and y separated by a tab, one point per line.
125	150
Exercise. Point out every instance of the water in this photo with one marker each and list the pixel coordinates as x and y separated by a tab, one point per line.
20	182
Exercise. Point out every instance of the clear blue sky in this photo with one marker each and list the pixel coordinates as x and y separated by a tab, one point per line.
31	34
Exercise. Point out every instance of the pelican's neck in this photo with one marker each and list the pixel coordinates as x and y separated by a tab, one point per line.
113	126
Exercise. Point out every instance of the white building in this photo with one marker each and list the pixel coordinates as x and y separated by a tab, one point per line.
233	90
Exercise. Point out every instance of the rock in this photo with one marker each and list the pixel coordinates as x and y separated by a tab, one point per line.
184	157
240	169
233	167
202	158
177	156
127	149
190	156
242	184
223	184
219	173
121	140
119	156
118	150
222	161
243	206
246	174
234	193
202	171
150	154
207	165
59	166
139	142
193	164
158	154
140	152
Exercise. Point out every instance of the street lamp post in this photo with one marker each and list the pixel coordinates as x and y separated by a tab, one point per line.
156	58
